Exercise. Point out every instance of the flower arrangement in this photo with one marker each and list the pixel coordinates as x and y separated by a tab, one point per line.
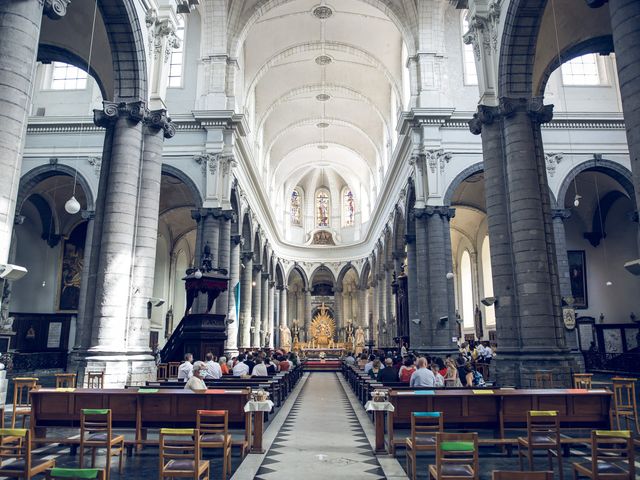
322	355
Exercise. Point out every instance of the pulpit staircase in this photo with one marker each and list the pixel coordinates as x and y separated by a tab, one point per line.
197	333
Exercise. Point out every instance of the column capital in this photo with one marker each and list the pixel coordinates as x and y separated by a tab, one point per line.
227	215
134	111
55	9
257	267
158	120
534	107
265	276
337	290
247	256
560	213
283	288
272	284
485	115
88	214
445	211
237	239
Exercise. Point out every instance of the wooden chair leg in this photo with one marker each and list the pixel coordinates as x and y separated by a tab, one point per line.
121	465
81	456
520	457
93	459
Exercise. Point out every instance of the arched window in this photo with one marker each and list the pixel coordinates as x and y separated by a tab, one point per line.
487	281
295	208
348	208
466	289
176	60
67	77
581	71
468	57
323	210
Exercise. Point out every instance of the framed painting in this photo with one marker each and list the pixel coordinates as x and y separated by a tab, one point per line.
578	278
71	269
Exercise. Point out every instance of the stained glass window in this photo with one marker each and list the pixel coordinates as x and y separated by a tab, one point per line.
348	208
295	208
322	208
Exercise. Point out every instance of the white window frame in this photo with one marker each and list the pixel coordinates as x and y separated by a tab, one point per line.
467	53
603	80
181	27
48	77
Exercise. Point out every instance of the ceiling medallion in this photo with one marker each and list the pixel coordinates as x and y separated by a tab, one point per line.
323	97
323	147
324	60
322	12
322	125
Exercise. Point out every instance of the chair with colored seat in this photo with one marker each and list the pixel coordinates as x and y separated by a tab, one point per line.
95	379
22	387
96	432
543	433
65	380
214	433
612	457
23	465
76	474
424	427
180	454
505	475
456	457
582	380
624	398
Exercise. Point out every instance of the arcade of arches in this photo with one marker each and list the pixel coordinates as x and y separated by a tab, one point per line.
428	171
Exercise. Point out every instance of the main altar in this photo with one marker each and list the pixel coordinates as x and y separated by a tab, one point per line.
322	333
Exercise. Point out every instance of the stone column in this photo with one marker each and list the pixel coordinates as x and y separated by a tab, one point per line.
256	310
224	260
283	317
412	288
20	33
388	293
83	328
523	256
275	309
271	314
420	337
308	308
264	308
233	322
157	127
246	296
339	310
117	240
380	306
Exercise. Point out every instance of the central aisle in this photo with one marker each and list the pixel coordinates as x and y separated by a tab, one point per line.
321	438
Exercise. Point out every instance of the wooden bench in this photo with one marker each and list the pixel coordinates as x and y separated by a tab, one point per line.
135	410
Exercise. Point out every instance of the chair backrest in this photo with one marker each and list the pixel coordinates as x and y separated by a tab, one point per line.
213	422
582	380
612	446
20	450
624	393
426	423
162	371
21	388
505	475
173	369
545	423
95	420
75	473
457	448
95	379
65	380
179	444
544	380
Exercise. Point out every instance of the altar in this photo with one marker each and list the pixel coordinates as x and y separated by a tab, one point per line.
322	332
329	353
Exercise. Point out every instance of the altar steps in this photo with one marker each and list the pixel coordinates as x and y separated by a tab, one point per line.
322	365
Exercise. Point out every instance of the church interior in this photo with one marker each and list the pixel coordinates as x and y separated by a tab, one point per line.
282	238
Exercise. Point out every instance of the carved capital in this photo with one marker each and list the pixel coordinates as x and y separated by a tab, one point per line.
552	160
444	211
437	158
237	239
485	115
257	267
534	107
112	111
246	256
158	120
55	9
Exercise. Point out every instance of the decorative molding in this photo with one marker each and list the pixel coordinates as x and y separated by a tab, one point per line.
214	160
552	160
55	9
486	27
158	120
437	158
96	163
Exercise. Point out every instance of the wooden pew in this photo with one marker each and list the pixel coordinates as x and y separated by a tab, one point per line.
132	409
501	409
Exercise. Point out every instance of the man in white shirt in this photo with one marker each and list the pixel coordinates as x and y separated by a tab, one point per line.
422	377
260	370
213	368
185	370
240	368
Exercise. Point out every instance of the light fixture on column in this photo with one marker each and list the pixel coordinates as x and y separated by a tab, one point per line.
576	200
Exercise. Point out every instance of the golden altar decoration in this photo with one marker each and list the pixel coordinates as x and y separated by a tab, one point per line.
322	329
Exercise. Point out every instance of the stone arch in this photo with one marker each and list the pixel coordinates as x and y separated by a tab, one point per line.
616	171
303	276
349	266
247	231
364	275
186	179
322	268
461	177
279	274
257	248
34	176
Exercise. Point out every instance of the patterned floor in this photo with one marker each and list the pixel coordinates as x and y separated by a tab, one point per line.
321	438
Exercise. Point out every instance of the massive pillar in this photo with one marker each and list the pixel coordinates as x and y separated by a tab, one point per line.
157	127
233	320
338	309
83	328
264	308
522	242
271	314
412	289
246	296
224	260
308	308
283	315
276	312
19	33
256	310
419	335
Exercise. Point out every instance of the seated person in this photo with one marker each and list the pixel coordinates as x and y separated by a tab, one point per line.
422	377
406	370
213	369
388	374
240	368
185	370
260	370
196	382
375	369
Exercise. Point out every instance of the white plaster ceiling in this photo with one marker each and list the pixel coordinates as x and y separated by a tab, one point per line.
283	77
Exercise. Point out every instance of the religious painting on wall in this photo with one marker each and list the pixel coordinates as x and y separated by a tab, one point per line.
322	209
578	278
295	208
71	269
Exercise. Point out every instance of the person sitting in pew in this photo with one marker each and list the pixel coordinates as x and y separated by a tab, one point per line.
376	369
224	368
213	369
388	374
285	365
407	370
369	364
439	379
240	367
185	370
422	377
195	382
260	370
272	367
